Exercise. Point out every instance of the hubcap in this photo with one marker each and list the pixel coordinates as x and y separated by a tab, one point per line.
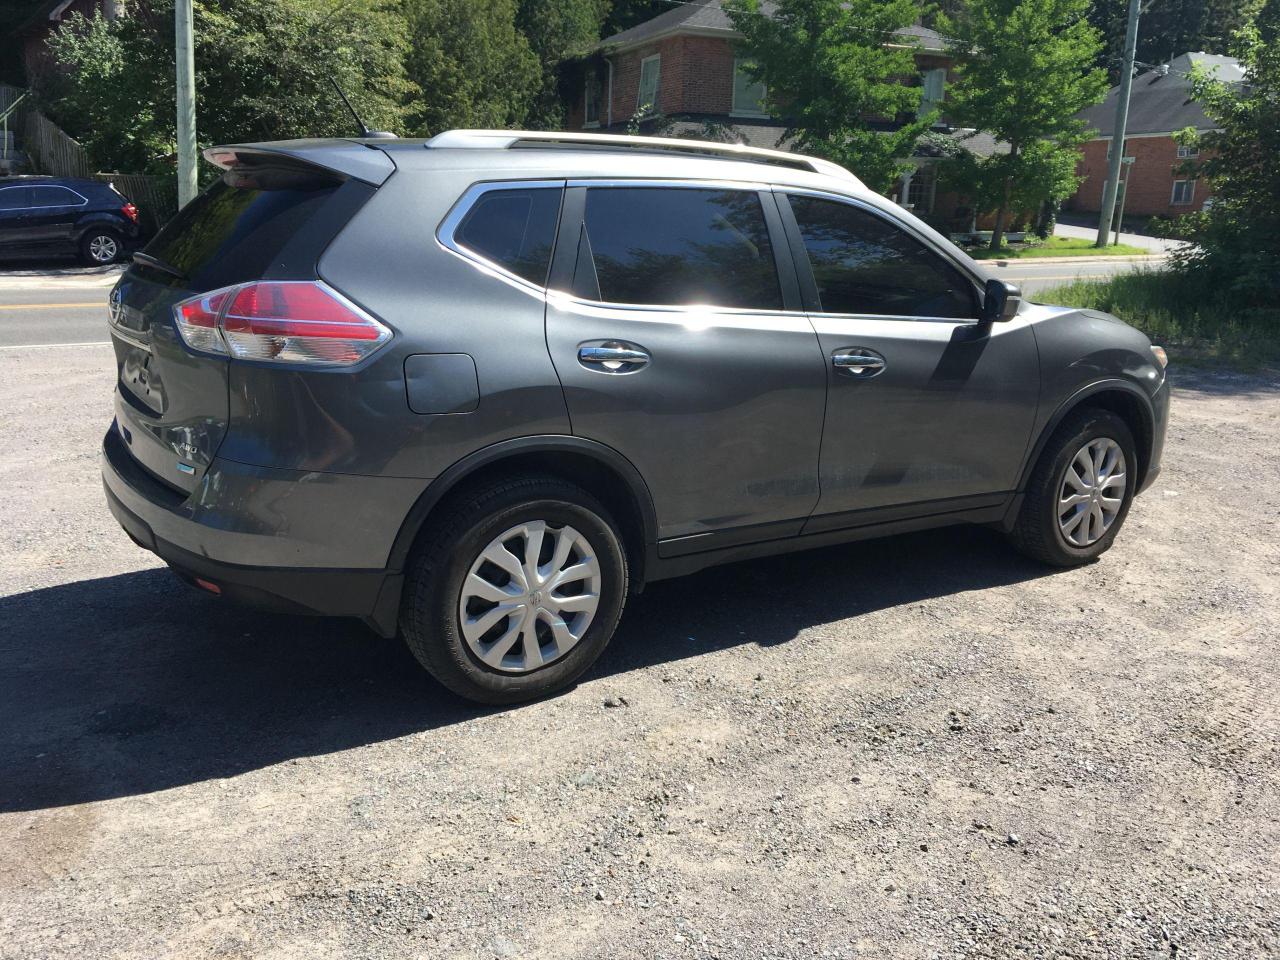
1091	492
529	596
103	249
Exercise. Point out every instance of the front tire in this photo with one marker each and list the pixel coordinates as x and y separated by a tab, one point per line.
100	247
515	591
1080	491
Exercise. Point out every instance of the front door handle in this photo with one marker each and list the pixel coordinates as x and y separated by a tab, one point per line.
863	364
612	356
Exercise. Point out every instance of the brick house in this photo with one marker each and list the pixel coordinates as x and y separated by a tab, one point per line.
685	67
1159	106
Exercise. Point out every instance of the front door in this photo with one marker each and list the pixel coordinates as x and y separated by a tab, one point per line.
53	213
13	218
929	410
676	347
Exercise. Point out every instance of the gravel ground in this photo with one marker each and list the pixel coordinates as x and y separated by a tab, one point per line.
923	747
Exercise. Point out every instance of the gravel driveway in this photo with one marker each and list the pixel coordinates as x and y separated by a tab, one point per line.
923	747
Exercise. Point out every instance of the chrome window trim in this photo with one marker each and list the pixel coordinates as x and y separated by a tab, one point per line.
445	233
979	283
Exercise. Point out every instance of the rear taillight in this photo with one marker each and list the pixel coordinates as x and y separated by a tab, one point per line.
130	211
282	321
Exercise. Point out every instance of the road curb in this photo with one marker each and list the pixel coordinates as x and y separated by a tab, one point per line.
1024	261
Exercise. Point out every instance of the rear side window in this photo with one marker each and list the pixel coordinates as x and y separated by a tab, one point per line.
233	234
678	246
55	197
514	229
865	265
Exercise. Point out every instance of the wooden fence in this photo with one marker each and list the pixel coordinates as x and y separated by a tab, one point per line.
53	152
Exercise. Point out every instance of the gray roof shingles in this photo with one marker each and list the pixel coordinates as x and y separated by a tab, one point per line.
1162	104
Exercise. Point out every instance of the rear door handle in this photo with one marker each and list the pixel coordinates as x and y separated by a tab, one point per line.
612	356
860	363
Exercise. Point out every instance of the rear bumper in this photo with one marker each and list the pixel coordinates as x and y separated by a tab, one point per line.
204	535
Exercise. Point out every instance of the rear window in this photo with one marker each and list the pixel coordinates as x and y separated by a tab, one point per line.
233	234
514	229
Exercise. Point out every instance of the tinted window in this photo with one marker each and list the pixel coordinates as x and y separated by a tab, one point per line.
14	198
54	197
661	245
864	264
232	234
515	229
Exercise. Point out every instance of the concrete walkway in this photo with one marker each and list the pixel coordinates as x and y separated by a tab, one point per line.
1153	244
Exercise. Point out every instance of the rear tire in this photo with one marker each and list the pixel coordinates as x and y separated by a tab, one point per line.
1074	505
454	610
100	247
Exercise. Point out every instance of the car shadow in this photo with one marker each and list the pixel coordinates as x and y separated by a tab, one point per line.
130	684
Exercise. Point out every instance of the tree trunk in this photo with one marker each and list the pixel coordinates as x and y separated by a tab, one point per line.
997	232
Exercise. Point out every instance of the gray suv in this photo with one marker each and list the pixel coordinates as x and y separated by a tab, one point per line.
478	389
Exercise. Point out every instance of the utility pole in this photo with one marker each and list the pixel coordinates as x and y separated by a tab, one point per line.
1122	121
186	102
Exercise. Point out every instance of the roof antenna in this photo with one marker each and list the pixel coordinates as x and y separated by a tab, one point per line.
365	132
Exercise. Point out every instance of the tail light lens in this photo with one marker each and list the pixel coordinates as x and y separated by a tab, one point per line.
280	321
130	211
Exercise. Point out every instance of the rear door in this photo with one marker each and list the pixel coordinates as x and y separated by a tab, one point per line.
682	345
172	401
52	214
929	410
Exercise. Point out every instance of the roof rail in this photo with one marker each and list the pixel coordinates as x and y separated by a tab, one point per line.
508	139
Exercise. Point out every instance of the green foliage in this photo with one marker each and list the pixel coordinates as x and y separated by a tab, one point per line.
1024	72
557	30
828	69
1236	242
1183	311
474	67
262	73
1168	28
625	14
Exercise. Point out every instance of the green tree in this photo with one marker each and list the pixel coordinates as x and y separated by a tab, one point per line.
1236	242
474	67
830	69
1024	72
625	14
557	30
1168	28
263	70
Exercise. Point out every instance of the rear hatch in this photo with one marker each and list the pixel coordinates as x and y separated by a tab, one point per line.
268	217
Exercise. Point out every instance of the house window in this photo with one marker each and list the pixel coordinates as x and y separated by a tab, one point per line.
748	94
591	108
650	75
1184	191
920	191
934	84
1188	152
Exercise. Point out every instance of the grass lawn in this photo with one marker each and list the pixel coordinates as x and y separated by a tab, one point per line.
1056	247
1193	321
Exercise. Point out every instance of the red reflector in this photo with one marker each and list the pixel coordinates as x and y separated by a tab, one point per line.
211	587
130	211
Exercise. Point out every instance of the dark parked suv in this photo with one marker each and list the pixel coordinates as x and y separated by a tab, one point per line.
475	390
59	215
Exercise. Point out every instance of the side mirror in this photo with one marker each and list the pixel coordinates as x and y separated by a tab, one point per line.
1001	301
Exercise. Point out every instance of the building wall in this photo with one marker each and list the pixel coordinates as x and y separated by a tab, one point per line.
1149	180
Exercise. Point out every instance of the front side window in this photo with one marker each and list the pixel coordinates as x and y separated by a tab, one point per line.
863	264
1184	191
650	78
679	247
515	229
748	94
14	198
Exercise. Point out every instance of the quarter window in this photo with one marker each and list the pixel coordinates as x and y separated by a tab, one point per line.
865	265
678	246
514	229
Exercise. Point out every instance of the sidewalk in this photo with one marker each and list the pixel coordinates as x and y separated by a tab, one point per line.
1153	244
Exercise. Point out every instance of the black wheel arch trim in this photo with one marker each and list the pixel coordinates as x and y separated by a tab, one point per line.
449	480
1076	400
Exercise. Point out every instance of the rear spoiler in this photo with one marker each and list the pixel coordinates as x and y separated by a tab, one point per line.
346	158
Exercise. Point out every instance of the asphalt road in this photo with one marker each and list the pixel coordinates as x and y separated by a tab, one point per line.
925	747
70	308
